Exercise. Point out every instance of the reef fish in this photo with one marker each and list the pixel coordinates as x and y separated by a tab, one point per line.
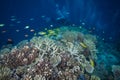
42	33
26	27
83	45
2	25
92	63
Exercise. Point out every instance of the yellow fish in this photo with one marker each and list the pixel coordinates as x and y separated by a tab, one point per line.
51	32
92	62
83	45
42	33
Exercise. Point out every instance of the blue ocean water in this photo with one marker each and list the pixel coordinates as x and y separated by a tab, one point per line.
22	19
104	15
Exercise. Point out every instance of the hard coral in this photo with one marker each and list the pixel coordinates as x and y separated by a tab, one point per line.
5	51
46	59
70	36
5	73
21	57
92	48
116	72
89	68
94	77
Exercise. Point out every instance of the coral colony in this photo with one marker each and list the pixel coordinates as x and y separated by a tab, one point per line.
59	54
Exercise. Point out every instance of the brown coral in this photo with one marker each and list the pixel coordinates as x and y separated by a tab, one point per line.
20	57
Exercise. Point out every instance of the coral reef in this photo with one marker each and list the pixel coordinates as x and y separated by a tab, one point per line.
89	68
70	57
5	51
4	73
116	72
22	43
94	77
70	36
20	57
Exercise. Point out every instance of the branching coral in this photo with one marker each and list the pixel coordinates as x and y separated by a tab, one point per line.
20	70
5	73
55	60
91	46
72	49
39	77
21	57
70	36
22	43
84	43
